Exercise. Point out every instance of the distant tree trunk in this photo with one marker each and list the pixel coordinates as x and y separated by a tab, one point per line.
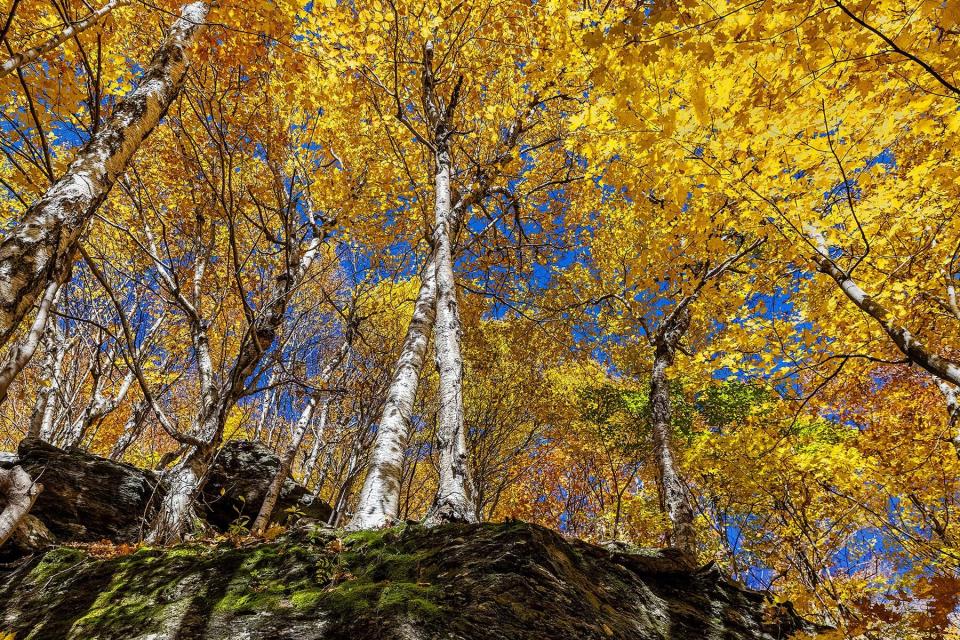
99	407
48	397
41	248
454	499
131	430
300	430
380	497
266	409
319	438
19	490
23	58
673	494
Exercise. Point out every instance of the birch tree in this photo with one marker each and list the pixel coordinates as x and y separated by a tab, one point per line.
468	142
43	246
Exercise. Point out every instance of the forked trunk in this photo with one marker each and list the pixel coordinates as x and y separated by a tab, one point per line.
177	514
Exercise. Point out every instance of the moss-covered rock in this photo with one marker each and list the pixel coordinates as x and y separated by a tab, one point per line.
456	581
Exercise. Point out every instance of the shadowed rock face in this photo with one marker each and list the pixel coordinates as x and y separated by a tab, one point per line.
87	498
513	581
238	481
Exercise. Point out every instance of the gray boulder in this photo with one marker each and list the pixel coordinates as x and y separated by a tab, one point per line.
238	481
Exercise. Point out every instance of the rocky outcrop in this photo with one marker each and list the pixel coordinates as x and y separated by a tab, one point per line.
238	482
87	498
514	581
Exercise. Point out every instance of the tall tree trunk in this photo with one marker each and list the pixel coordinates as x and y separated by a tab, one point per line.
177	515
41	248
23	58
673	494
380	497
19	490
454	499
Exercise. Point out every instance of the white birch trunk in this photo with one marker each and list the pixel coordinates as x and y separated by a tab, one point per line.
380	497
454	499
41	248
299	432
21	354
20	492
286	462
24	58
319	443
908	344
48	398
266	409
99	408
953	411
177	516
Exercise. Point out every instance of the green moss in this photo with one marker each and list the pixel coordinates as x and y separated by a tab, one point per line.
366	537
241	603
186	551
308	599
386	578
56	562
412	599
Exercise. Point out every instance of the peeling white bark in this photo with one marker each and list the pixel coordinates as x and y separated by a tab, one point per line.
20	492
42	246
454	499
177	516
24	58
379	499
48	397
